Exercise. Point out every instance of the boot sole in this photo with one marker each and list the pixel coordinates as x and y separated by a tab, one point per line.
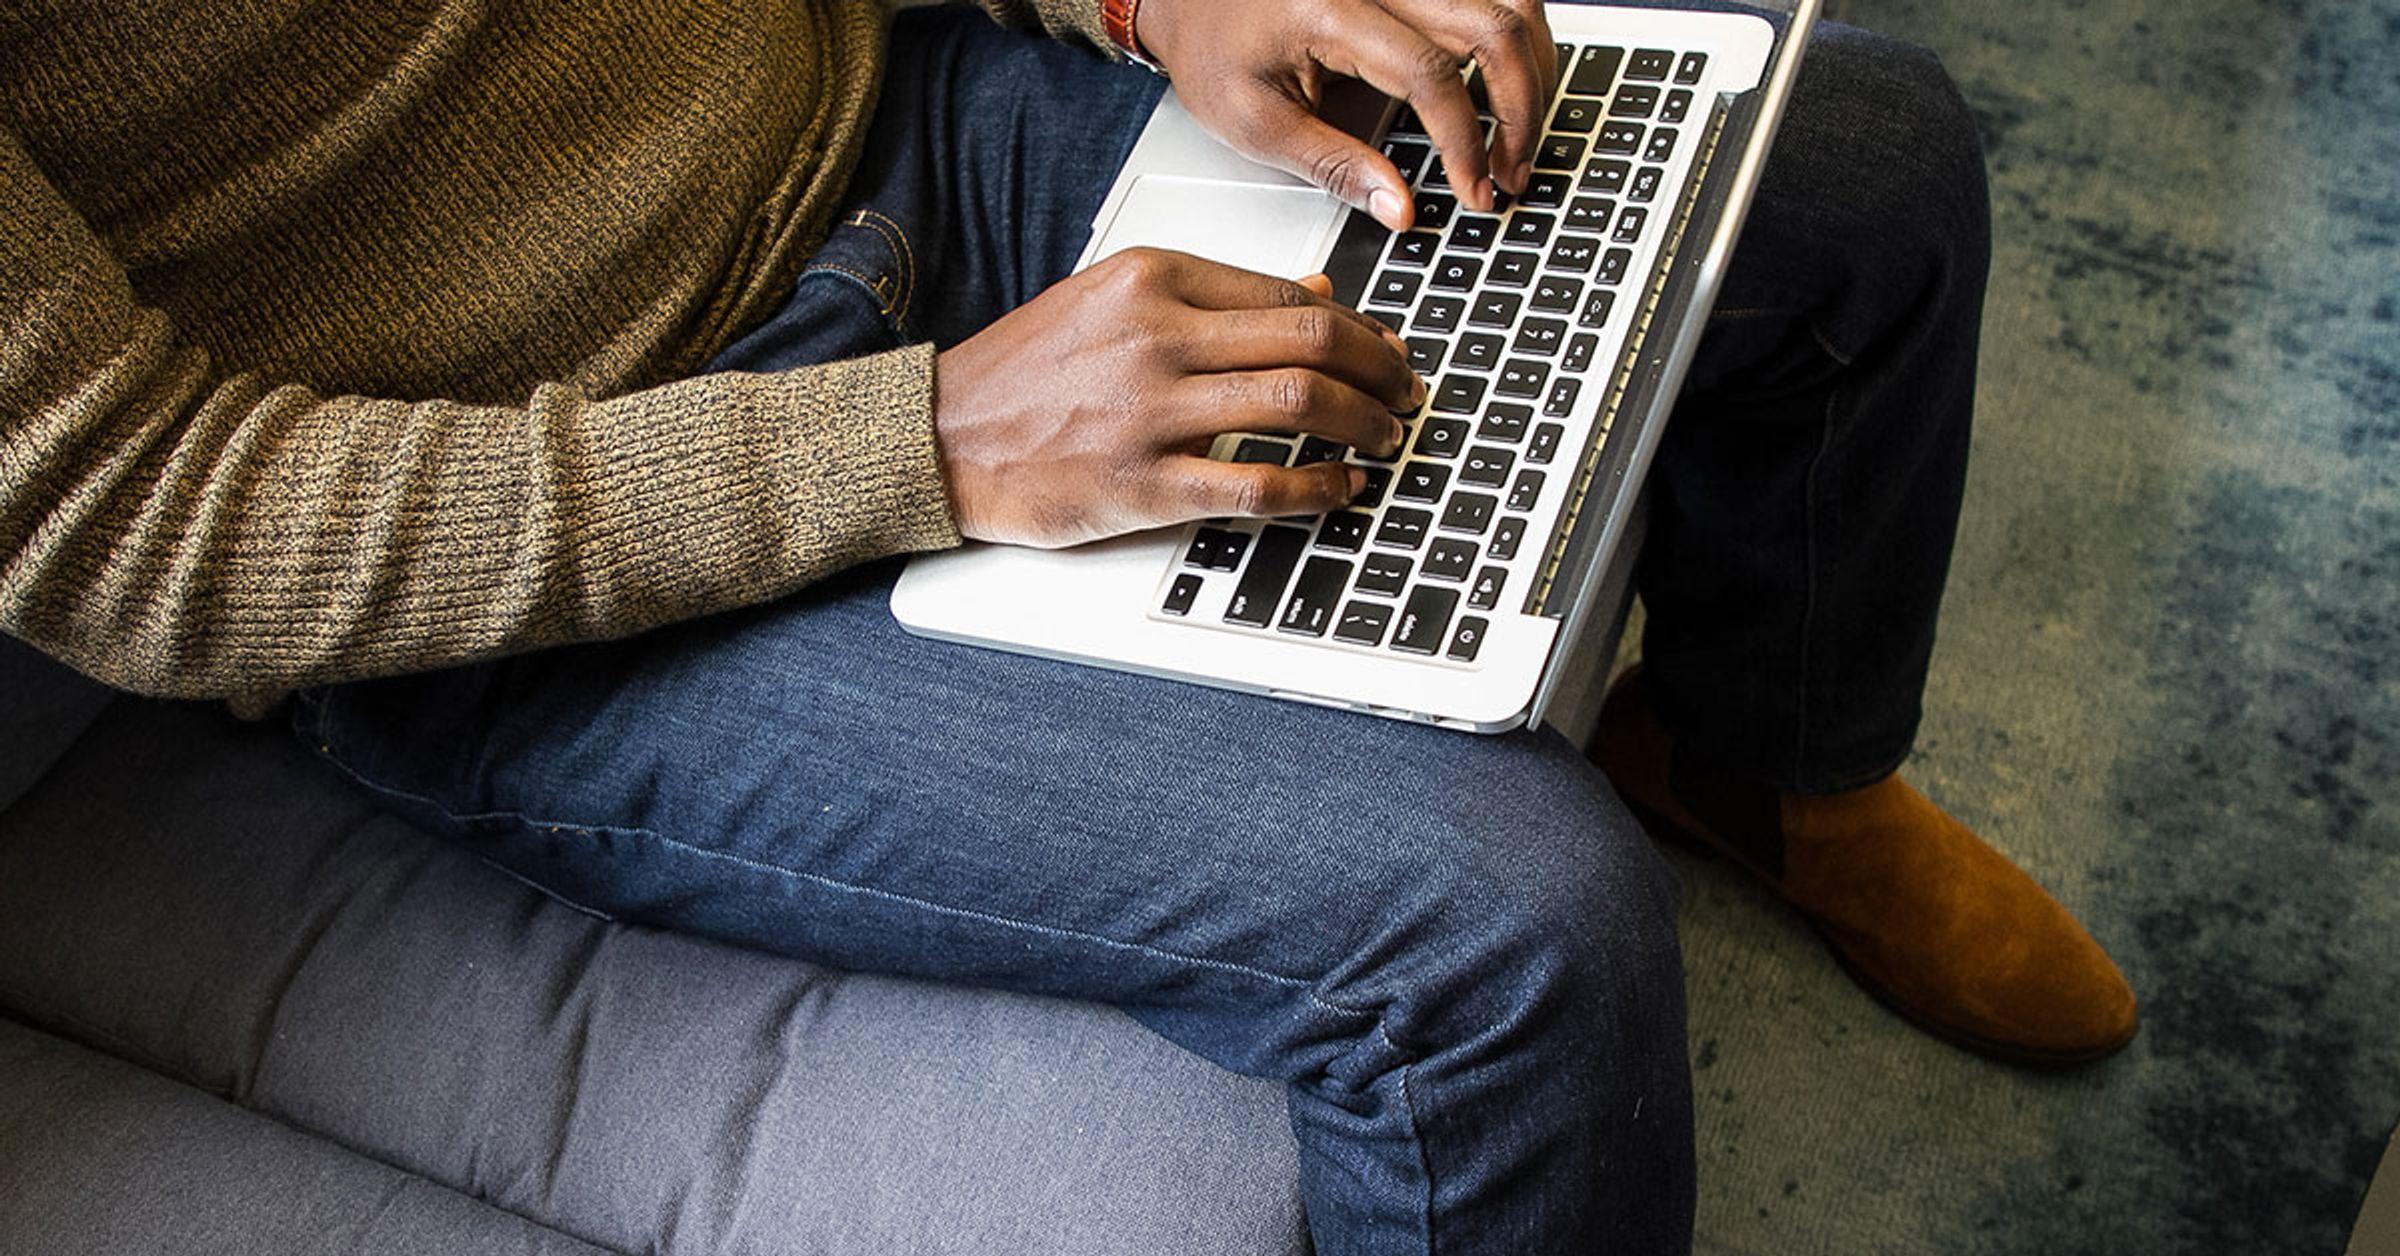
1666	830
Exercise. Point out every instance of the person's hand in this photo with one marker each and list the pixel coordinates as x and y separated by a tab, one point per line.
1089	410
1251	71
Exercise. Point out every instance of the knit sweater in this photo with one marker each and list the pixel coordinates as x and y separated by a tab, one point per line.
342	338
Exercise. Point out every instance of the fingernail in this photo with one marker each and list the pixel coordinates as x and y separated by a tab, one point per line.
1524	176
1483	188
1385	207
1358	481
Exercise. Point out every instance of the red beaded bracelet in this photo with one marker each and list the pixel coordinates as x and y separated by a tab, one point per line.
1116	17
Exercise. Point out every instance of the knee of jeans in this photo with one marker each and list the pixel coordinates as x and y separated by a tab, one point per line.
1904	151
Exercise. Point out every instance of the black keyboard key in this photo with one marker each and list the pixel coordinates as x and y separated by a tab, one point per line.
1678	106
1316	449
1630	224
1540	335
1590	213
1605	177
1314	597
1645	184
1479	351
1474	232
1440	314
1403	528
1495	309
1455	274
1595	71
1449	559
1612	266
1421	482
1529	229
1458	394
1556	294
1526	491
1573	254
1181	594
1344	530
1506	538
1469	640
1363	623
1545	443
1566	61
1688	70
1662	145
1512	269
1486	593
1272	453
1437	176
1505	422
1580	349
1486	466
1442	438
1595	310
1576	115
1426	619
1378	479
1425	354
1559	152
1546	190
1407	123
1415	248
1634	102
1522	377
1218	549
1383	575
1470	513
1621	139
1562	399
1408	156
1651	65
1389	318
1433	211
1394	287
1260	589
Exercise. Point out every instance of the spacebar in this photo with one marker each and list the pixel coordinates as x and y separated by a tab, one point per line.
1355	252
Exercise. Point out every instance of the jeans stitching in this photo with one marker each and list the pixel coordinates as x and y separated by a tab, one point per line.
896	239
1808	602
518	817
882	304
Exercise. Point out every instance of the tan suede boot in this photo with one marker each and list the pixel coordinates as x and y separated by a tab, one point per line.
1930	920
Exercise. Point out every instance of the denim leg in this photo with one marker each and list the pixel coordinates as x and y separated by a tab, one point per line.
1806	493
1457	951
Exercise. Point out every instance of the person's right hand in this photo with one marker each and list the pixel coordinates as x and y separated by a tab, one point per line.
1088	411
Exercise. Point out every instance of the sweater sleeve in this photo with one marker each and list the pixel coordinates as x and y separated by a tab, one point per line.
178	530
1063	19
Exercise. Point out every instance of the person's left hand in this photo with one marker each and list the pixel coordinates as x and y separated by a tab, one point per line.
1251	72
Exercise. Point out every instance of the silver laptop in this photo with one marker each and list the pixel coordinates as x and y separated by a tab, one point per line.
1464	587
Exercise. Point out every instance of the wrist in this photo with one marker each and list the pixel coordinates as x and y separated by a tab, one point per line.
1120	19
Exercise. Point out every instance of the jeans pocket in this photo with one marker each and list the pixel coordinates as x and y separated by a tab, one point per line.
871	249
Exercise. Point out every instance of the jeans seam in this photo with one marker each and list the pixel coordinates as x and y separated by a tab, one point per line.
895	239
519	817
1808	603
883	304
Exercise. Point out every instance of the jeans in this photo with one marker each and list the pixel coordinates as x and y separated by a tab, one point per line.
1457	951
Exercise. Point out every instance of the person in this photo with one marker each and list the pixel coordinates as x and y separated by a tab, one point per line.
536	388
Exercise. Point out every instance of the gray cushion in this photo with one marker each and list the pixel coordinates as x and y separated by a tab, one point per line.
102	1158
44	707
202	897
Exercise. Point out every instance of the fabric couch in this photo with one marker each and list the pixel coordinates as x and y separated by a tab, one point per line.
243	1012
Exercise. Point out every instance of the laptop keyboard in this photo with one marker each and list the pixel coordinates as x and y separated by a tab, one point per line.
1509	316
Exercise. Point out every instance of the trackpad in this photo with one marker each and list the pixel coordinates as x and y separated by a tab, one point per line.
1279	231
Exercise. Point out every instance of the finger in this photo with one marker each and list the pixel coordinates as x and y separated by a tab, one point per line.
1280	131
1314	337
1398	59
1509	39
1203	489
1285	401
1208	285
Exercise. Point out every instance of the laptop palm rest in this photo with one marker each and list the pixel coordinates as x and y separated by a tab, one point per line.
1276	230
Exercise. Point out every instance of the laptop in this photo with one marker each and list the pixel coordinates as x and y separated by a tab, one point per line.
1464	588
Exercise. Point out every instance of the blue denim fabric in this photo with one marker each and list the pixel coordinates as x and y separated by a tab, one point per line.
1457	951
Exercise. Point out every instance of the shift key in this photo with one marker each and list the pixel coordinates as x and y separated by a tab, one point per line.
1260	589
1425	621
1314	599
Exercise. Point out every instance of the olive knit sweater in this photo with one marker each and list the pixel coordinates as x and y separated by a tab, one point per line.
348	337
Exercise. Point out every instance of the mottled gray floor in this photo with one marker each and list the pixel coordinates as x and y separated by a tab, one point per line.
2169	678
